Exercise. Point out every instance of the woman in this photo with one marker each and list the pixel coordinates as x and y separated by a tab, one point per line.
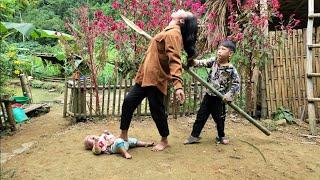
161	64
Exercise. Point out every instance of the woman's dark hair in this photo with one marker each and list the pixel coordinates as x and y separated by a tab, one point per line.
189	30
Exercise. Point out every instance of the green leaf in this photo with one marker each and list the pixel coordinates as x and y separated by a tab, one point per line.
23	28
39	33
60	56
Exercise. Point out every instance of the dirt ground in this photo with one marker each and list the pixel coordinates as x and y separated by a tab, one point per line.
58	153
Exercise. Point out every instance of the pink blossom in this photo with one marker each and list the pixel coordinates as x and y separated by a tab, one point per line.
140	24
98	14
275	5
212	15
114	27
250	4
239	37
115	5
212	27
116	37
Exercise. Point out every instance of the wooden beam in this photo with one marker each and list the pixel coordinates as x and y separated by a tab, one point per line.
313	15
313	46
309	66
310	75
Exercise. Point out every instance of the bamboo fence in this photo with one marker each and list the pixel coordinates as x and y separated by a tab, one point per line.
81	99
285	76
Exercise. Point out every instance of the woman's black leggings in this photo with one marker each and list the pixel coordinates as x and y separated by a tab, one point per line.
155	99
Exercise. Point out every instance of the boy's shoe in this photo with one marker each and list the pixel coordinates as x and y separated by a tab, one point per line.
192	140
222	140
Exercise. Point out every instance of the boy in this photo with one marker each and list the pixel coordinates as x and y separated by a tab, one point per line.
224	77
107	143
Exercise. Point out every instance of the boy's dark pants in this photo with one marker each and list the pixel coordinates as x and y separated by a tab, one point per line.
155	98
210	105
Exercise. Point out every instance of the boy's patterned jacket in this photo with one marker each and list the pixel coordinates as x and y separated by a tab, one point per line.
223	78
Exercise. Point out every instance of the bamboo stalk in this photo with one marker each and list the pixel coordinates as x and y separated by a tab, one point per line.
119	101
274	72
65	99
114	96
85	96
303	67
79	108
108	102
296	70
283	73
90	105
292	76
289	81
103	95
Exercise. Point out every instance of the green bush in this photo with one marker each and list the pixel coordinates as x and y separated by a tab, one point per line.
283	113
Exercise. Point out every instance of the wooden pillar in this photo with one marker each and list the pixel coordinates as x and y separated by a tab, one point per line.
310	95
7	104
25	86
65	101
264	107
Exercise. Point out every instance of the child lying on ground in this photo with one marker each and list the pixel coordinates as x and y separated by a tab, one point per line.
107	143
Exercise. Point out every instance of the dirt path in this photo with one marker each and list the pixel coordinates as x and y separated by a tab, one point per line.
58	152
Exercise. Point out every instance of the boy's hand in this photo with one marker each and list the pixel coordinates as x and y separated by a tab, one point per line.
191	62
180	95
227	98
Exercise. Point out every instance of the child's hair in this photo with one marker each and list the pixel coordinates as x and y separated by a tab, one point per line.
229	44
87	143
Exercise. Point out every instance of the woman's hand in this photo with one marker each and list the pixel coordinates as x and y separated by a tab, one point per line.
180	95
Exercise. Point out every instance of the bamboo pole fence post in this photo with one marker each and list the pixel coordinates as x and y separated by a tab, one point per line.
65	99
108	102
120	90
103	94
114	95
85	96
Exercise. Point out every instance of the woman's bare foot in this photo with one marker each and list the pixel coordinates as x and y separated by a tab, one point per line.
161	146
